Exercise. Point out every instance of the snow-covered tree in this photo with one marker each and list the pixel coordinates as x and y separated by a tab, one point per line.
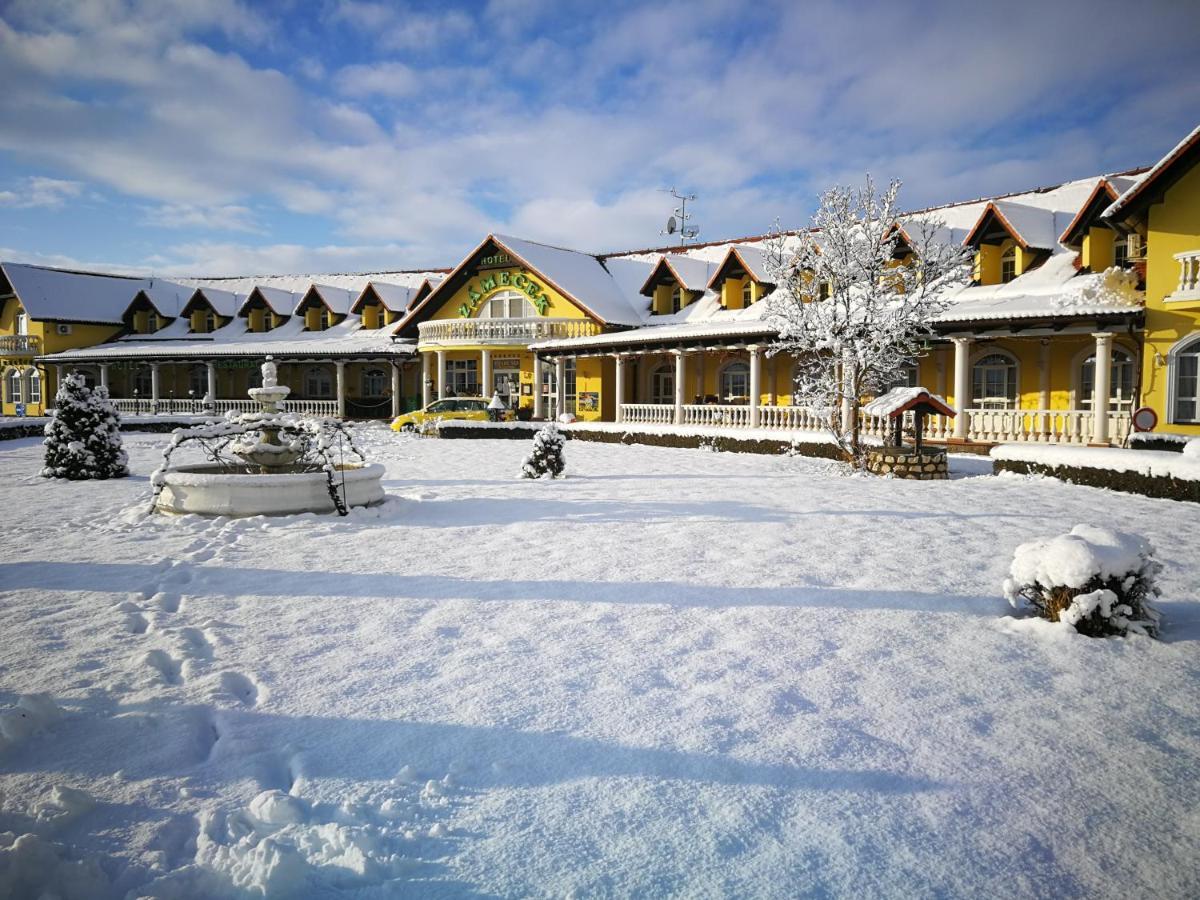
547	455
83	440
855	298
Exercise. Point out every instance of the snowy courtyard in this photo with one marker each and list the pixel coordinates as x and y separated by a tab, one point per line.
673	673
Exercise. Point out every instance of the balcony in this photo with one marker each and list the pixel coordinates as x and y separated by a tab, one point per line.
504	331
20	345
1189	278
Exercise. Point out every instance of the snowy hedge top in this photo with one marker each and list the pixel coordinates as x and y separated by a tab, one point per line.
1072	560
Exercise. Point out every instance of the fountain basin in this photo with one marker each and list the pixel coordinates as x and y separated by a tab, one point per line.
214	490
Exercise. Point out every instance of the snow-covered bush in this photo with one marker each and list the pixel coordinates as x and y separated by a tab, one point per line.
1100	581
547	456
84	438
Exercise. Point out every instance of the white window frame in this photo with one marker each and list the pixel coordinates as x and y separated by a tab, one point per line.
1084	400
747	292
12	386
35	386
506	303
1011	363
1185	346
660	375
22	322
368	377
1008	258
727	383
318	383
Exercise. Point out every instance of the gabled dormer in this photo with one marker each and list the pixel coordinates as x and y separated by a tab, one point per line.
266	308
1098	243
155	307
381	304
324	306
209	309
1009	239
741	278
675	282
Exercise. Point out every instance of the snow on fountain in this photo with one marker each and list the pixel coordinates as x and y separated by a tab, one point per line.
284	464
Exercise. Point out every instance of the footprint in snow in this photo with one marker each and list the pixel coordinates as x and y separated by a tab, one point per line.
167	601
241	688
195	643
168	668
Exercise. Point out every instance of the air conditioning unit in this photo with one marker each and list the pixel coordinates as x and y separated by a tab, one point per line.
62	328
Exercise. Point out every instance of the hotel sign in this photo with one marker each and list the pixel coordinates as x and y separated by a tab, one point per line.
486	285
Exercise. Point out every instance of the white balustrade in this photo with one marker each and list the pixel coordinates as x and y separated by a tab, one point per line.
1189	276
167	407
20	343
504	331
648	413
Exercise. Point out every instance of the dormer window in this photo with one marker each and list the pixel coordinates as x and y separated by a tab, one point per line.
1008	265
210	321
324	320
747	292
151	322
677	299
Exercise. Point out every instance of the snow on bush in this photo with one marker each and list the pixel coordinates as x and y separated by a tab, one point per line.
83	440
1191	450
1099	581
547	456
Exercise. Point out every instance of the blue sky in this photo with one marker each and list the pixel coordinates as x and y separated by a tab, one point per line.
226	137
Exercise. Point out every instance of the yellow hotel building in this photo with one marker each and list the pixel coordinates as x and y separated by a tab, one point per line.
1085	306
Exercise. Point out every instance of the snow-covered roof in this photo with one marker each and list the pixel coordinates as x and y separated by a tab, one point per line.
394	297
281	302
224	303
1030	226
167	297
347	338
1147	179
338	299
900	399
64	296
580	276
689	272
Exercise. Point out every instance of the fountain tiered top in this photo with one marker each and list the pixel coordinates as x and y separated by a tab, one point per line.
272	393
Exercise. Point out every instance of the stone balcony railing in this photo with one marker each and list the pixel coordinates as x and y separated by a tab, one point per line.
1189	276
20	344
504	331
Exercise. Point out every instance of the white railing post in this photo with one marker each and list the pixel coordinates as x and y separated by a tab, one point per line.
1103	374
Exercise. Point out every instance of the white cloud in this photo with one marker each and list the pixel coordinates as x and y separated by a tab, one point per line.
389	79
39	192
229	217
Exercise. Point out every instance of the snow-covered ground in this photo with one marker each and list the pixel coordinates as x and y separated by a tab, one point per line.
674	673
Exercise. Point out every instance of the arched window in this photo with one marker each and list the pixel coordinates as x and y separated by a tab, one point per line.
747	292
677	299
22	323
1120	381
735	383
142	382
35	386
1121	251
325	319
12	386
318	385
1008	265
198	381
1185	382
994	382
662	384
210	322
508	305
374	382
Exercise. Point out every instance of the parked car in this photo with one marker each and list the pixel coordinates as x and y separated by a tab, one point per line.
473	408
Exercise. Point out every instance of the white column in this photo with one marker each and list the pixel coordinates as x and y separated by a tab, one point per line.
620	388
1044	375
680	371
560	385
1100	395
426	380
755	384
395	389
539	401
441	374
104	375
700	359
485	375
340	365
153	388
962	386
211	371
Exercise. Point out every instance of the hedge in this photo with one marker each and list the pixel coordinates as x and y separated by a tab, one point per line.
1163	487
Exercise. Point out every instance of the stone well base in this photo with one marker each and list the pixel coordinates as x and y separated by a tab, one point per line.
904	462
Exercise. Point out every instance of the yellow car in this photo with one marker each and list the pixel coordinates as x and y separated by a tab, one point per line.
474	408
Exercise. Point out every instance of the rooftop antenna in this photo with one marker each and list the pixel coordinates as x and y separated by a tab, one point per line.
677	222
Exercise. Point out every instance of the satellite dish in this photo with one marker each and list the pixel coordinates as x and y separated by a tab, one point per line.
672	225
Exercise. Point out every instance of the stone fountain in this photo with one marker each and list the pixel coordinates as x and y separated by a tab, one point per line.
289	464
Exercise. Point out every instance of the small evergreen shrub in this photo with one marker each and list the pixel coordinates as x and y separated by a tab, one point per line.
547	455
83	440
1099	581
